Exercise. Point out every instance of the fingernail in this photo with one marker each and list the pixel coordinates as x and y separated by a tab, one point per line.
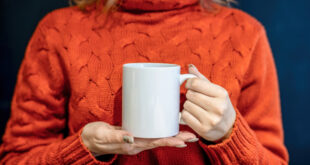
128	139
181	146
193	140
193	66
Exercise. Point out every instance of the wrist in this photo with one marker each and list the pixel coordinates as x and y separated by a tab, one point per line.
229	132
213	142
226	136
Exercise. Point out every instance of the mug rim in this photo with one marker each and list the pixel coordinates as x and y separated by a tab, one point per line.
152	65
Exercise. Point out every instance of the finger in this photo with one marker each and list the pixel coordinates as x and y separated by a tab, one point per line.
190	120
205	87
193	70
185	136
205	102
180	119
168	142
207	119
146	144
114	136
195	110
194	123
176	141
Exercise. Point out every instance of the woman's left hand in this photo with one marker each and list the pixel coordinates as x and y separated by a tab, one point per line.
208	109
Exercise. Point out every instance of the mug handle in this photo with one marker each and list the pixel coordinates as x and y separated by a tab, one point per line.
184	77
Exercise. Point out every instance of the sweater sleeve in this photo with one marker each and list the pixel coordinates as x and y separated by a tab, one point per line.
257	136
35	131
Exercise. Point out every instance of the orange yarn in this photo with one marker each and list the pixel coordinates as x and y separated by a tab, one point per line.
72	73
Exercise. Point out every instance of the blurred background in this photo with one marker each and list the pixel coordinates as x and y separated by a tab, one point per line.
287	24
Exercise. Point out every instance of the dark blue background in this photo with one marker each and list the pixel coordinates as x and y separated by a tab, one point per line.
287	23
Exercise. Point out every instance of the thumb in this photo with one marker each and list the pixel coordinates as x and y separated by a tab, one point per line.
124	136
193	70
118	136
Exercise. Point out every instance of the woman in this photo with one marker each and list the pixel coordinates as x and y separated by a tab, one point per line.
66	107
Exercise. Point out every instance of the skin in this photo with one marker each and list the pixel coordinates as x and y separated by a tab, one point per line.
101	138
207	110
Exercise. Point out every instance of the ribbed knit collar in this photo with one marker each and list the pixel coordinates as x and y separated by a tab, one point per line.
154	5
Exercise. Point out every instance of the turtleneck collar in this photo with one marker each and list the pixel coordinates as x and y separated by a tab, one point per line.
155	5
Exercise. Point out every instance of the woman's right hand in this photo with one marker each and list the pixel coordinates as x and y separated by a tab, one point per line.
102	138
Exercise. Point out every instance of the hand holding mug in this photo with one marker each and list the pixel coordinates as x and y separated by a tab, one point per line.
101	138
151	99
208	109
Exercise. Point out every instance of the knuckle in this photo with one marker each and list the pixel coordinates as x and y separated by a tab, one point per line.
190	94
186	105
221	112
221	108
224	93
99	132
184	115
195	83
215	121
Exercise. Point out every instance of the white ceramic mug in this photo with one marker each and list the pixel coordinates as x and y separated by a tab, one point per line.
151	99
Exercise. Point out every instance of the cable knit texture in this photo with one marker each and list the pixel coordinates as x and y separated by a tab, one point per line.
72	74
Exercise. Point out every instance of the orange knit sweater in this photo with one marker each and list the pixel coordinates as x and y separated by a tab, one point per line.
71	75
